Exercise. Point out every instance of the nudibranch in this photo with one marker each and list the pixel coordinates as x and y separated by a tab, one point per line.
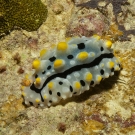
69	69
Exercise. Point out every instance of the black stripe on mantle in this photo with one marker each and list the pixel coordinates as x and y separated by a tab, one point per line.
64	74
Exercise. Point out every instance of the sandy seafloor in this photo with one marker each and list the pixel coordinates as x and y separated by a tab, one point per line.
106	109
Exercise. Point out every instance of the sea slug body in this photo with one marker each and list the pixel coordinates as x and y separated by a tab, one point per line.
69	69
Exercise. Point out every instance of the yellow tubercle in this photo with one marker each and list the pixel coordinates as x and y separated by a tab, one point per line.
45	97
50	85
58	63
88	77
24	94
62	46
83	55
77	85
22	88
108	44
99	78
38	81
111	64
102	65
117	68
37	100
97	36
92	54
26	76
36	64
43	52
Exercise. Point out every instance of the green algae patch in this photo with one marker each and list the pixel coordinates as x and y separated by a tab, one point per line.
25	14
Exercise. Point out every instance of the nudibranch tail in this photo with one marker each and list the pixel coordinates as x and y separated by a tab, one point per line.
69	69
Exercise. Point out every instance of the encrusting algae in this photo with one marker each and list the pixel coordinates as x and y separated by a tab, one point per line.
25	14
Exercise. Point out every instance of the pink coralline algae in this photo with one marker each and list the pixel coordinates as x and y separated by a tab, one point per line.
87	25
117	8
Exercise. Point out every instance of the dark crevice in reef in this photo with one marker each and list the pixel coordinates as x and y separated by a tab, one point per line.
125	37
94	4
